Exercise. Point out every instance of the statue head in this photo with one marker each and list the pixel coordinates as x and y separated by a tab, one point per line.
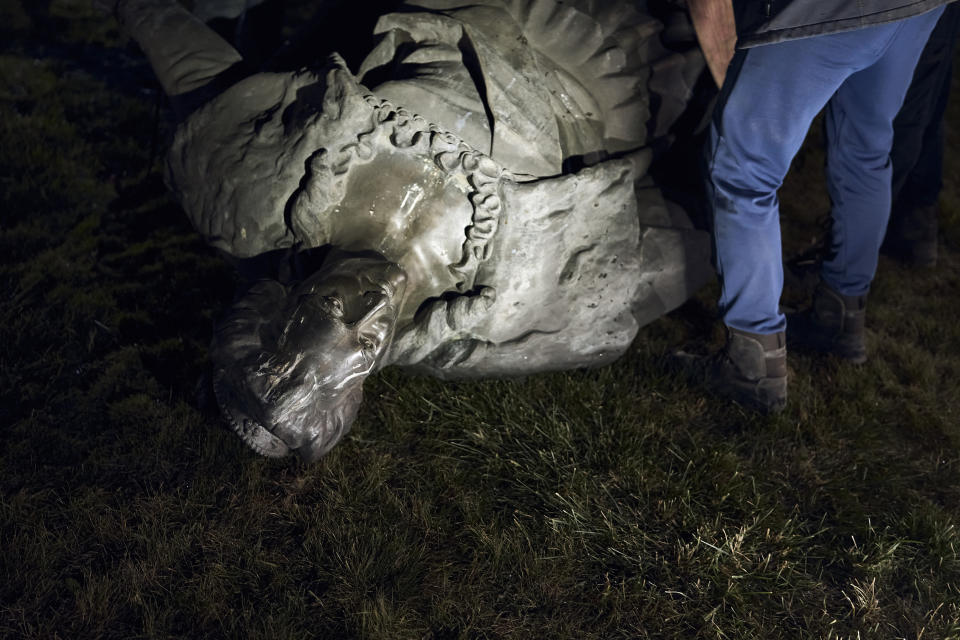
290	362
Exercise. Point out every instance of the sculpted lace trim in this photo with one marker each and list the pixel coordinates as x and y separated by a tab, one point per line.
404	130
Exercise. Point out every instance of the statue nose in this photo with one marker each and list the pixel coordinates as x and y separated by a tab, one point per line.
371	303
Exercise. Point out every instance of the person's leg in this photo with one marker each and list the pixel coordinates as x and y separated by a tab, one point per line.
859	127
917	154
922	186
917	130
769	98
771	95
768	101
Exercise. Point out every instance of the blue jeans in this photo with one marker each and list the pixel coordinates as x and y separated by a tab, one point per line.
770	96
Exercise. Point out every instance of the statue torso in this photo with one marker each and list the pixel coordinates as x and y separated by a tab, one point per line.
285	159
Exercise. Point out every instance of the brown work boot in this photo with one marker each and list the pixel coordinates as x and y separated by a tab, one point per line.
912	235
833	324
750	369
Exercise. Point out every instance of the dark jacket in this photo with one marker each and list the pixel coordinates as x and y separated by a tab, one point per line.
767	21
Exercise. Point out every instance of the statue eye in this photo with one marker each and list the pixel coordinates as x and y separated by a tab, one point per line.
334	304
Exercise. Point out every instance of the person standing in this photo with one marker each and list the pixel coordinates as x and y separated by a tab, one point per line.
794	58
917	154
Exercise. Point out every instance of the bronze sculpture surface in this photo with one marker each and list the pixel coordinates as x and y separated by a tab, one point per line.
480	187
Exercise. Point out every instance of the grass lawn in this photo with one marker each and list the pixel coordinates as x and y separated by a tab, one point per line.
607	503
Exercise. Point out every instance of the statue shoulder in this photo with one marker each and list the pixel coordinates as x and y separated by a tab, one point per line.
236	162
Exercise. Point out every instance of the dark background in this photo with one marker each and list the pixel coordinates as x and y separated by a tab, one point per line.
616	502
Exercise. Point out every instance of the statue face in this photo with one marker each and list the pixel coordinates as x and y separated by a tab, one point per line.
342	318
305	385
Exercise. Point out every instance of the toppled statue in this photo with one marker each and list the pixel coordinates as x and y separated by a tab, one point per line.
479	186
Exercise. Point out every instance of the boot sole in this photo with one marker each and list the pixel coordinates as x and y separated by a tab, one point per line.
768	396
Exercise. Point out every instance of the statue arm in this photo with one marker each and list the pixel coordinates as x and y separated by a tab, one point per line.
448	340
533	352
443	322
186	55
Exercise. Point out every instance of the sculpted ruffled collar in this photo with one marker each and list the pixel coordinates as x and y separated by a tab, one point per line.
255	172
